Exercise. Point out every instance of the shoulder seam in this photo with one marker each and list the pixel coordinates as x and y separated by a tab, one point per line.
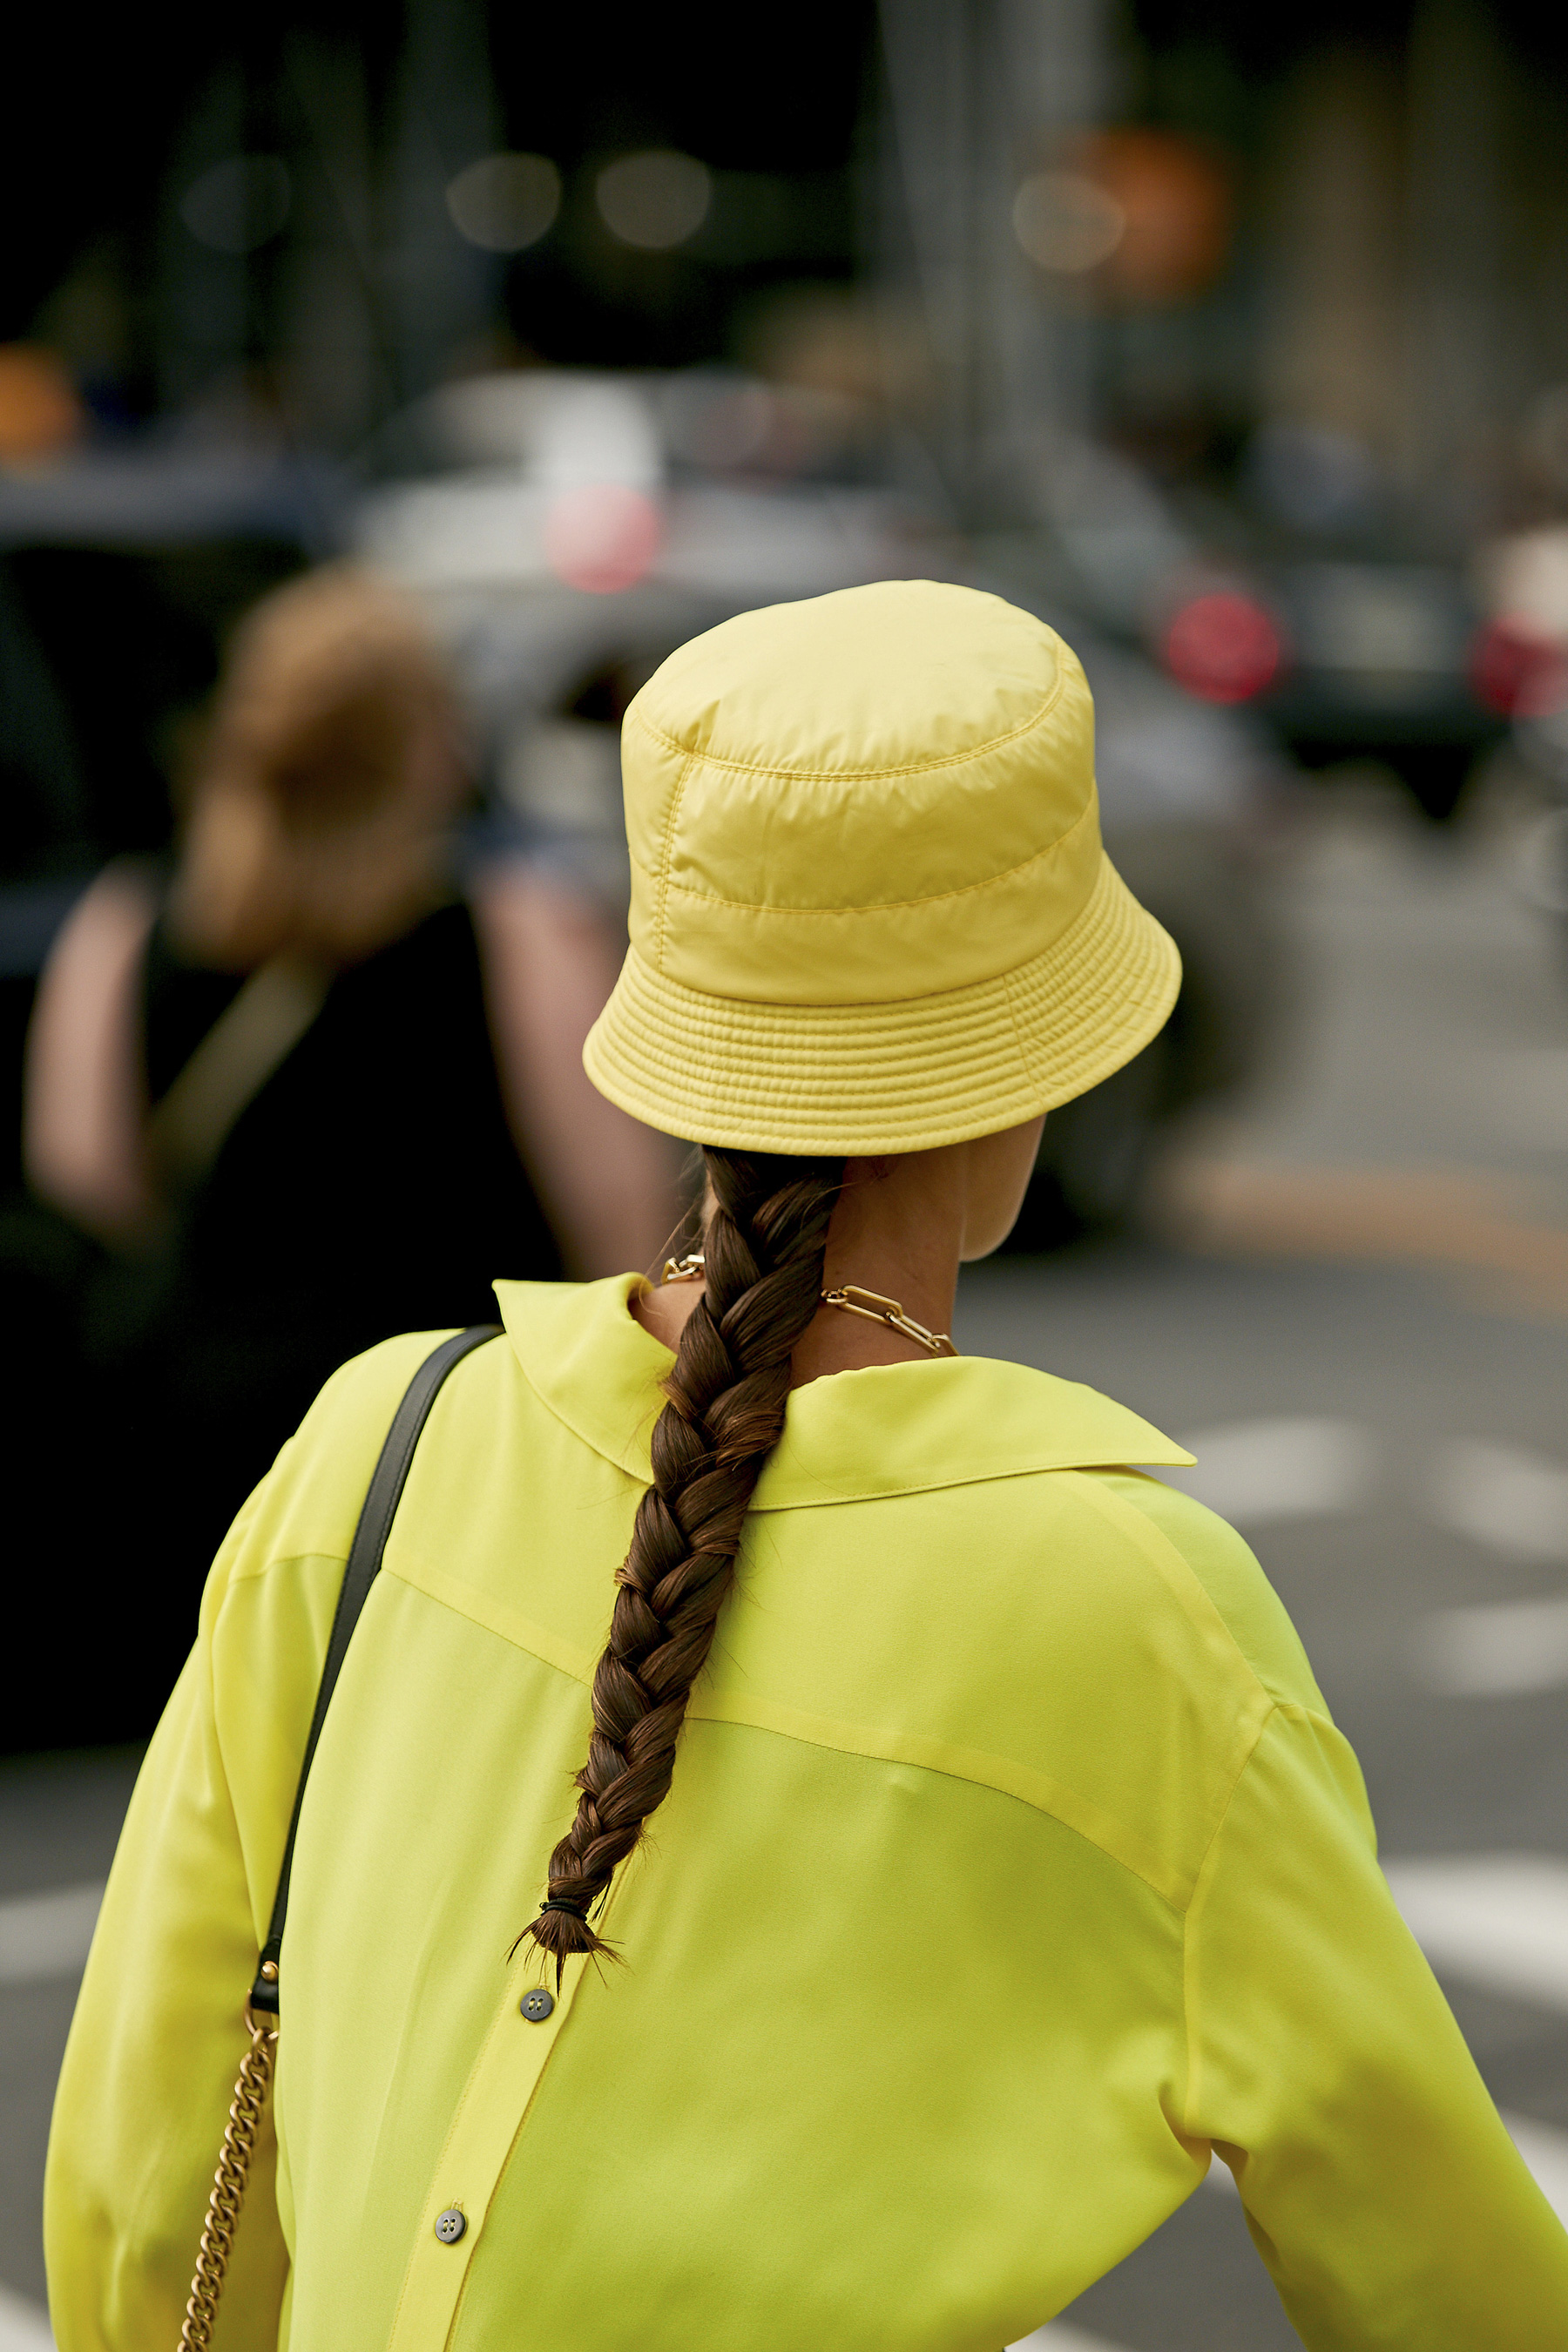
294	1556
1154	1540
1289	1710
1004	1776
1199	1881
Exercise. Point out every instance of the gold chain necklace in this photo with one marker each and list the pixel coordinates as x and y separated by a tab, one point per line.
848	1297
851	1299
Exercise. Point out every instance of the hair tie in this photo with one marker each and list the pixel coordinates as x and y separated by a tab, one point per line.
574	1908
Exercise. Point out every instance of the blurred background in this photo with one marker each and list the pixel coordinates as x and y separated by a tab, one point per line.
384	393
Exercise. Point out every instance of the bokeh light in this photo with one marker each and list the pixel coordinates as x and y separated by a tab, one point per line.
1175	203
1067	223
1223	646
505	202
602	536
40	413
656	199
1517	672
239	205
1150	213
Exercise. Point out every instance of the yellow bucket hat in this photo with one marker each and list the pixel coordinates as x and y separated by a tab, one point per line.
870	912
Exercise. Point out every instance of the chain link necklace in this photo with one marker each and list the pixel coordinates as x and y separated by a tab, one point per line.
848	1297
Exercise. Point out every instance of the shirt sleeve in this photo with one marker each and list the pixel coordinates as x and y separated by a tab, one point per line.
159	2030
1380	2185
155	2048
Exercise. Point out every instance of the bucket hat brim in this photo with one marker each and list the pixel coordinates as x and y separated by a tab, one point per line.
907	1075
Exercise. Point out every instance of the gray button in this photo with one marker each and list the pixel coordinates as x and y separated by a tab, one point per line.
450	2225
537	2005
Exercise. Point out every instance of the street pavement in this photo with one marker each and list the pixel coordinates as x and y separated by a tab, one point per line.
1354	1304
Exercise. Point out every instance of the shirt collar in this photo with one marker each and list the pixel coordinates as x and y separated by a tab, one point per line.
891	1429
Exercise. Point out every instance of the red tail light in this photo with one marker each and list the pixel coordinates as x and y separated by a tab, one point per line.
1516	673
1223	647
603	536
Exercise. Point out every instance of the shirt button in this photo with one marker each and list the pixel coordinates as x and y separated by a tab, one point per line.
450	2225
537	2005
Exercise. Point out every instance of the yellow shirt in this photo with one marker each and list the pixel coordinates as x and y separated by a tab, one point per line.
1012	1863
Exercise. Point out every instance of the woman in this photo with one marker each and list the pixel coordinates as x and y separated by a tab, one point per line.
307	1096
976	1850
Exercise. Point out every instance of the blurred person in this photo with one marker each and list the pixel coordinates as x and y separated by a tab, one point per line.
306	1093
977	1849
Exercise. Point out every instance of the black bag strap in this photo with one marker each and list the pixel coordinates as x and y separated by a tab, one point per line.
363	1565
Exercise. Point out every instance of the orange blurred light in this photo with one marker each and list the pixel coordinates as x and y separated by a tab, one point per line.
40	415
1142	214
1223	647
604	537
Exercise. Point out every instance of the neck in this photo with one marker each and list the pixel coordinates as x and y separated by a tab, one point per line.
898	1228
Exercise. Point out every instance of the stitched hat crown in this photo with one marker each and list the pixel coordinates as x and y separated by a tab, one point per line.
860	798
870	911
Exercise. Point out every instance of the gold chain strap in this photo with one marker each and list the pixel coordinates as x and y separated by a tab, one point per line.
229	2182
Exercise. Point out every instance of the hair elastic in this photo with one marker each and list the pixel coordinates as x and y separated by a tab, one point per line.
575	1910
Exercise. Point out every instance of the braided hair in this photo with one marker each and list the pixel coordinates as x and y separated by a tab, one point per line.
766	1239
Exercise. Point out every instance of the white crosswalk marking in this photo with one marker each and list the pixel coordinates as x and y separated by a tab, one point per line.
1494	1651
1255	1472
46	1936
1546	2153
1497	1920
23	2327
1061	2335
1513	1502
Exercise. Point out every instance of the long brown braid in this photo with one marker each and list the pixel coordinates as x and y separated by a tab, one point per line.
764	1242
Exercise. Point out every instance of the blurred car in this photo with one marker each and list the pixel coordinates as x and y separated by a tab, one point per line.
1307	600
1523	582
1385	649
1193	798
566	531
570	530
1377	659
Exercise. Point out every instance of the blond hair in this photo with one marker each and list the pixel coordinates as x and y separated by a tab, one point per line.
328	771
